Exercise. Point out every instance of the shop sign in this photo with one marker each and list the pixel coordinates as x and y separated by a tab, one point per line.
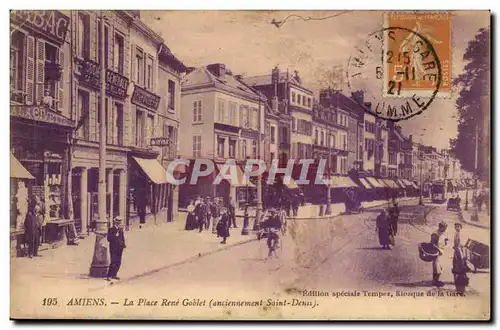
38	113
145	98
116	84
160	142
51	23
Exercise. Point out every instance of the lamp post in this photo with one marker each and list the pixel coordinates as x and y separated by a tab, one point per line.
100	261
328	210
259	178
474	216
246	221
420	200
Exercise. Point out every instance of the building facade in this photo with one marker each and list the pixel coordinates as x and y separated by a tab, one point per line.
40	118
221	119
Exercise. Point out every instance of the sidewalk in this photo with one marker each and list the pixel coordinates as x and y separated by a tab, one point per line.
483	217
149	250
310	211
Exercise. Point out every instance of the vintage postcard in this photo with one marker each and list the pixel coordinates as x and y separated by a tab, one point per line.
250	165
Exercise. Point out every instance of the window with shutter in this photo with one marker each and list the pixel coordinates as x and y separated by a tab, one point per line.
30	70
40	70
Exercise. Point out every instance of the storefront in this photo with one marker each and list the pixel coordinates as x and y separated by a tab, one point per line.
39	141
85	155
20	180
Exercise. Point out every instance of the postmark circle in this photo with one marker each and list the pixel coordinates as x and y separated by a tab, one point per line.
386	73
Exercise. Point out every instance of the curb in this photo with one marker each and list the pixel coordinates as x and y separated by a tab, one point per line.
178	263
462	219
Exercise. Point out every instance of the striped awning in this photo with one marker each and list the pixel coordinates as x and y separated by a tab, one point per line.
374	182
342	182
391	183
365	183
17	170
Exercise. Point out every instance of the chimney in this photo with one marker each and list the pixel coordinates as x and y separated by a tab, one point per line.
217	69
359	96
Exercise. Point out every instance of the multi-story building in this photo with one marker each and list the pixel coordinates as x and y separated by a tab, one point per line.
170	70
41	124
370	143
85	99
221	119
346	130
382	150
293	102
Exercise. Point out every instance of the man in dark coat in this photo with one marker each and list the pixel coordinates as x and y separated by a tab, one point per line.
116	241
208	209
32	231
394	217
295	205
231	209
215	215
200	213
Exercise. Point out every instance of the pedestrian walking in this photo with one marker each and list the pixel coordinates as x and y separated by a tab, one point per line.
459	269
394	217
200	214
223	225
295	205
116	240
382	229
231	208
32	231
439	241
215	215
208	211
190	219
141	202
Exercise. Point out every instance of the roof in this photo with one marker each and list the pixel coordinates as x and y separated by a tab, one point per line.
265	80
203	77
166	55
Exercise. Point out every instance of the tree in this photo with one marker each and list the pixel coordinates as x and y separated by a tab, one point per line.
473	106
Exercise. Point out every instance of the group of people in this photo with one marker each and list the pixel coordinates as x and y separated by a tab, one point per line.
387	225
459	268
219	213
483	198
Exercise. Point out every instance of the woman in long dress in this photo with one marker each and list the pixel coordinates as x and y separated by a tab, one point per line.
190	220
383	229
459	269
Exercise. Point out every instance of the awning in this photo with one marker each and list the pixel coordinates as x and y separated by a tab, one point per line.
407	182
17	170
291	185
415	185
153	169
400	183
342	182
365	183
391	183
242	180
374	182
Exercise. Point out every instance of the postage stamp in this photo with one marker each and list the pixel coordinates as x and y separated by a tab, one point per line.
409	64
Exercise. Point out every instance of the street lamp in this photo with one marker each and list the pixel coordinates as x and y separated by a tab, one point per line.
100	260
328	210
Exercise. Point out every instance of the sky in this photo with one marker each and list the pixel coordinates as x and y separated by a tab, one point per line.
249	44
